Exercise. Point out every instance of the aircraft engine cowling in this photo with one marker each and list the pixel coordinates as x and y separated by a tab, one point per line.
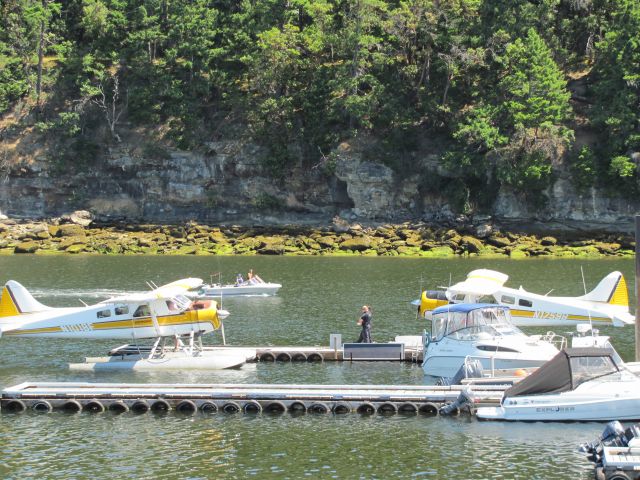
204	311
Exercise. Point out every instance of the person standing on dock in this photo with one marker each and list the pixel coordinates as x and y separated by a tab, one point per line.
365	322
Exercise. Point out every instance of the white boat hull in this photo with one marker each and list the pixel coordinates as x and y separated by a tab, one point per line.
264	289
447	367
596	400
206	360
601	410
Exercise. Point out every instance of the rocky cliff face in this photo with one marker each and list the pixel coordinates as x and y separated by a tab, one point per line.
225	183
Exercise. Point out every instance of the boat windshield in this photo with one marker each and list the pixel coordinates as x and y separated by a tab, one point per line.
480	323
584	369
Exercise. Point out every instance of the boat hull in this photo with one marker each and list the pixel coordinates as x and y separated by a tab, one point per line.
601	410
448	366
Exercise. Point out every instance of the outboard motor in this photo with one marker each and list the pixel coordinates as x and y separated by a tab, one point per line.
465	398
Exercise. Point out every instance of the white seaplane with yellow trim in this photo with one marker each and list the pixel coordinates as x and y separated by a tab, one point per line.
607	304
164	314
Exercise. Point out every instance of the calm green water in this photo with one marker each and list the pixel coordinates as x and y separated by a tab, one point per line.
320	296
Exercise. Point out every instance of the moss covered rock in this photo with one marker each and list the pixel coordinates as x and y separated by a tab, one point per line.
27	247
70	230
357	244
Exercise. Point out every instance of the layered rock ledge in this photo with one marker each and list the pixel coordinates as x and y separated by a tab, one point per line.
78	235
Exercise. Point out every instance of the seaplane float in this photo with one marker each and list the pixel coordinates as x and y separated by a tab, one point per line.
607	304
165	315
483	333
253	287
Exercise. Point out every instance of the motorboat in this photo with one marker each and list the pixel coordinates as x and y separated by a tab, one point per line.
615	453
578	384
607	304
483	332
254	286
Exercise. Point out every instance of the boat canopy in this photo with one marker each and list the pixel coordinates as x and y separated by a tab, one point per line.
564	372
469	321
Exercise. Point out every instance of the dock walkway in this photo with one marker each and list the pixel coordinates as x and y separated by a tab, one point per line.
73	397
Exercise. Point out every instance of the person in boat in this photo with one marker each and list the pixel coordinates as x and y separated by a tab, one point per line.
365	322
250	277
239	280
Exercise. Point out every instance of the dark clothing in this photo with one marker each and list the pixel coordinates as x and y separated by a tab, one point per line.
365	334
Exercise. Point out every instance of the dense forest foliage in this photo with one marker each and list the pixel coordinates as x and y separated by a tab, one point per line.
490	81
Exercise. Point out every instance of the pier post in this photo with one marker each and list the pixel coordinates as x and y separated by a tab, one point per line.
637	288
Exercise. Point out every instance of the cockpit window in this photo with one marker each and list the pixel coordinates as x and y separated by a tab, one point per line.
103	314
142	311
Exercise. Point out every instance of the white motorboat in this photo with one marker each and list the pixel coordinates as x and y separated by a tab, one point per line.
578	384
607	304
483	332
252	287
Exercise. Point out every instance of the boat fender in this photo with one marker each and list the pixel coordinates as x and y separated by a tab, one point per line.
297	408
267	357
41	406
71	406
231	407
341	408
387	409
428	409
283	357
208	408
93	406
298	357
186	407
366	409
139	407
252	407
275	408
14	406
315	357
407	408
160	406
318	407
118	407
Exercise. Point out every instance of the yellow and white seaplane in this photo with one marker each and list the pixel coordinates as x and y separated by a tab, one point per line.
607	304
165	314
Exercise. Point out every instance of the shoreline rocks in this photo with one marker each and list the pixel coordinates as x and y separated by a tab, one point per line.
405	240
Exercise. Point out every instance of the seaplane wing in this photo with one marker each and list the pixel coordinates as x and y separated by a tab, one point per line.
479	283
165	292
164	311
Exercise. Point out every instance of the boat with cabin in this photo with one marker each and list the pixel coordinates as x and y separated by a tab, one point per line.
578	384
482	332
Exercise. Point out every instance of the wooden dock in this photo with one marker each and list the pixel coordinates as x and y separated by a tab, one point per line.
186	399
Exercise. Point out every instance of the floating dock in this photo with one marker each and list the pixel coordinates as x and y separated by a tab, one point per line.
408	350
186	399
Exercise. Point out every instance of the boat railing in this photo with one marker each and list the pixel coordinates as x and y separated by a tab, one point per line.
558	341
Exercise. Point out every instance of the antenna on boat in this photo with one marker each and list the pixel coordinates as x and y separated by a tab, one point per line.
584	286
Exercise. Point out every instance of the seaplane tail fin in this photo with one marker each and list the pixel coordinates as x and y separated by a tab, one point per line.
612	289
16	300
